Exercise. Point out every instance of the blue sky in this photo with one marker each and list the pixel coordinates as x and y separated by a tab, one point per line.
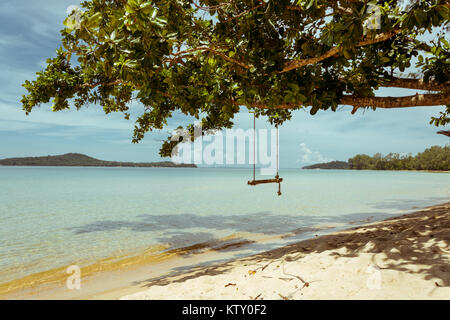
29	34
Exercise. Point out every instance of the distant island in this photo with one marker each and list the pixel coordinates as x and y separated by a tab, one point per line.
81	160
329	165
435	158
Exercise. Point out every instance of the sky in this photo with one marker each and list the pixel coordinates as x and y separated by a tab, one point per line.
29	34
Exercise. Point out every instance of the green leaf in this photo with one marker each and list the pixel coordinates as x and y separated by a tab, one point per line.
70	23
310	4
420	16
347	54
302	97
94	20
444	11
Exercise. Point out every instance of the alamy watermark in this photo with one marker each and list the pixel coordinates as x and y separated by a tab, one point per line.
230	147
74	17
73	282
374	280
373	21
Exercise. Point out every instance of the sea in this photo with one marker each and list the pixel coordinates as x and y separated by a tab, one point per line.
54	217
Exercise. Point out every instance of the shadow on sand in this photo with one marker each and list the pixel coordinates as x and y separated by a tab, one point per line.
413	243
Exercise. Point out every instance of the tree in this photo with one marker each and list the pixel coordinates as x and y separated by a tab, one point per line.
208	58
361	162
434	158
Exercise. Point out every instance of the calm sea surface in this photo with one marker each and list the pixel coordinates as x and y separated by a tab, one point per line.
54	217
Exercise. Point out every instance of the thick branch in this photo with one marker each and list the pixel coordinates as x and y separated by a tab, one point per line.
417	84
418	100
303	62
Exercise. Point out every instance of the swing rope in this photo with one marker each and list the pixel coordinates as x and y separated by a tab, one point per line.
278	148
277	179
254	146
278	159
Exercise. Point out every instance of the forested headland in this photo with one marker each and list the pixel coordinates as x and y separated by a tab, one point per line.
81	160
435	158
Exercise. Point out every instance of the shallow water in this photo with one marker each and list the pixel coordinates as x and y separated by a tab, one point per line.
54	217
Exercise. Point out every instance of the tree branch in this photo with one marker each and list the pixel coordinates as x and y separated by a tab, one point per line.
445	133
187	53
246	11
337	8
417	84
418	100
303	62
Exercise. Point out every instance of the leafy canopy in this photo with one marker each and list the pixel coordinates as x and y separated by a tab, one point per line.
207	58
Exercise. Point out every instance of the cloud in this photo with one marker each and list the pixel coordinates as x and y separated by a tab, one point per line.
309	156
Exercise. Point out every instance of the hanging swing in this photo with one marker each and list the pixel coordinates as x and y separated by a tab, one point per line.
277	178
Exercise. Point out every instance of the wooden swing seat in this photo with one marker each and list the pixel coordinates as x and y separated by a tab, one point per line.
255	182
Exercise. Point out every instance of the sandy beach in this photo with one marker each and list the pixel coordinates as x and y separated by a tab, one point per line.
407	257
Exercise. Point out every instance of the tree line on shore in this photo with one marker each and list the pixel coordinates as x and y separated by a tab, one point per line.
435	158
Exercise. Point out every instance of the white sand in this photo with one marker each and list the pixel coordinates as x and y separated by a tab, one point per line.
401	258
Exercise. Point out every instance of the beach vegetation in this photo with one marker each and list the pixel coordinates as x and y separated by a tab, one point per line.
434	158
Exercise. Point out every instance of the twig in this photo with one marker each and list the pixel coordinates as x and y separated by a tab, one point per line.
230	284
259	295
246	11
285	298
293	275
286	279
265	266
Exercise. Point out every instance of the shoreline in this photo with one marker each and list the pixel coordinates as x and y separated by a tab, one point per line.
154	260
362	249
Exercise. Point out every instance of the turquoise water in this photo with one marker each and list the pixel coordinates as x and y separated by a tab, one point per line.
52	217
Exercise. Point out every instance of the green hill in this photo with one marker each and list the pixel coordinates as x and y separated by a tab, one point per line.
81	160
329	165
